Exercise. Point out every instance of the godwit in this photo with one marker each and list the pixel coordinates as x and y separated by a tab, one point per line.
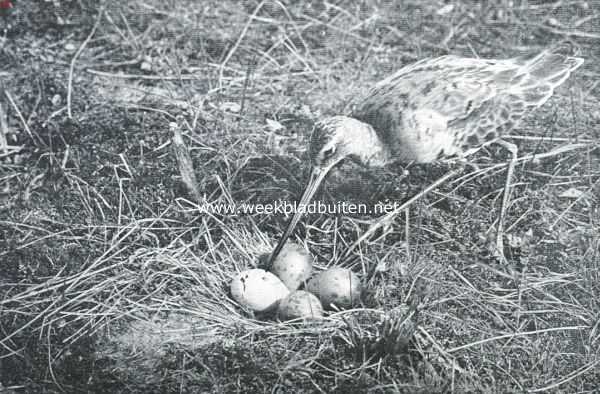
434	109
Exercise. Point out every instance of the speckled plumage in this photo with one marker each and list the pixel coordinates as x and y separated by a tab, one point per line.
433	109
449	105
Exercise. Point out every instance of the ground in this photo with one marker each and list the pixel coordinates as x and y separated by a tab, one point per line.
113	280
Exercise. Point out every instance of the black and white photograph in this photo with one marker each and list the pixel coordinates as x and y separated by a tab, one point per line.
313	196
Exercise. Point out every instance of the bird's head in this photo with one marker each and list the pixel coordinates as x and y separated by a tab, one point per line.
338	137
333	139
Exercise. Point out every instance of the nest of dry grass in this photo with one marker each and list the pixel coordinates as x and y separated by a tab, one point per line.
111	281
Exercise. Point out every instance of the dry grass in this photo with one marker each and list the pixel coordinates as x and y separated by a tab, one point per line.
114	281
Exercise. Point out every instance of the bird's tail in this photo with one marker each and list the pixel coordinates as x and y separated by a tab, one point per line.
543	73
552	67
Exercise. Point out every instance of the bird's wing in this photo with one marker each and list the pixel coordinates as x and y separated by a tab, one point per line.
478	99
452	86
446	90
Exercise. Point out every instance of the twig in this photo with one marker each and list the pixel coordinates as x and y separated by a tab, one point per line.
3	131
19	114
564	32
74	60
515	334
186	167
249	72
546	139
185	77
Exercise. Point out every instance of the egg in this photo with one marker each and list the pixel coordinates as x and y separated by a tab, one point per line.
336	286
258	289
293	265
300	304
312	285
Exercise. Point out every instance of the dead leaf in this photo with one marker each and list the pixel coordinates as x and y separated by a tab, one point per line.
274	125
445	9
572	193
230	107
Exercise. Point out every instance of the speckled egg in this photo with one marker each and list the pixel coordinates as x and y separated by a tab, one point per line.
293	265
300	304
258	289
336	286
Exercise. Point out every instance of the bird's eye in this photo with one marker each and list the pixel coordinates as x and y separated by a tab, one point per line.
328	152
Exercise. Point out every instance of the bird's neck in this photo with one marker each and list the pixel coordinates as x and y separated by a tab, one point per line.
369	149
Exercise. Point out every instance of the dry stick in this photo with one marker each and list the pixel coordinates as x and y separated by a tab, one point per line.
565	32
50	368
19	114
547	140
184	77
72	67
186	167
514	335
407	233
3	131
249	72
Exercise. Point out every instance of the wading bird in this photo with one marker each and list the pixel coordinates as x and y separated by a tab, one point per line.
437	108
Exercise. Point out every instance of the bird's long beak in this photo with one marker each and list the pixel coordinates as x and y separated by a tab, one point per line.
316	177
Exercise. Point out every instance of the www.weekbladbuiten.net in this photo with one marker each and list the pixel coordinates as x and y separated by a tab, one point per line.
289	208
